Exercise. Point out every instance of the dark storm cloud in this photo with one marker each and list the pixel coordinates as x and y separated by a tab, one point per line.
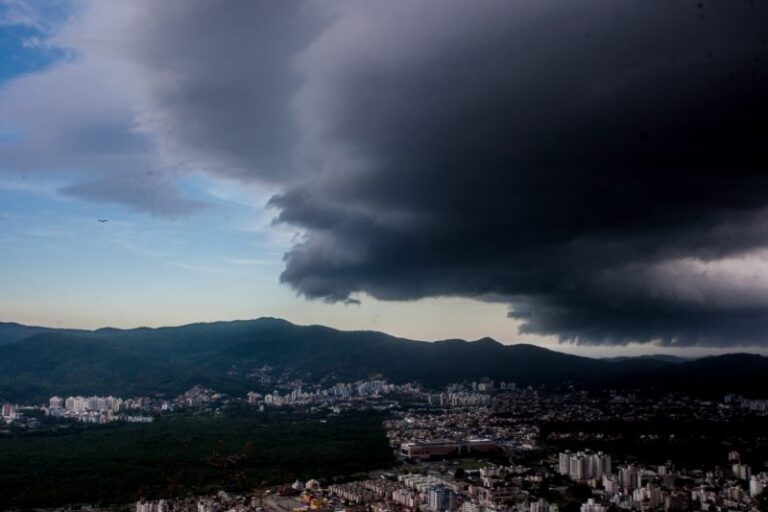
598	165
217	81
569	158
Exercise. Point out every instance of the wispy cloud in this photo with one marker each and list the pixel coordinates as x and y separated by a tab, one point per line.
206	269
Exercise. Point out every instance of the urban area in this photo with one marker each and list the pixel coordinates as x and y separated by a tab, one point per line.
473	447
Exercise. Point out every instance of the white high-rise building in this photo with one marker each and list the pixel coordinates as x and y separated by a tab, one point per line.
758	483
584	465
439	498
742	471
628	477
8	412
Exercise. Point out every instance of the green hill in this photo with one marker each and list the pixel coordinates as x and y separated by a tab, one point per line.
221	355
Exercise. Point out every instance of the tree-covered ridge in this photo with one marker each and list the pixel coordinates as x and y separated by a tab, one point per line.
220	355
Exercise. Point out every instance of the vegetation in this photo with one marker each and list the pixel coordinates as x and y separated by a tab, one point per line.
472	464
220	355
181	455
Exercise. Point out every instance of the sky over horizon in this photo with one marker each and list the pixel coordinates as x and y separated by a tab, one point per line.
588	172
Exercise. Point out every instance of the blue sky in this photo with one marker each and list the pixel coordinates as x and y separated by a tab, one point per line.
179	127
62	267
21	46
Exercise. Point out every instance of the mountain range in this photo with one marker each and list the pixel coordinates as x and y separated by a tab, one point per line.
38	362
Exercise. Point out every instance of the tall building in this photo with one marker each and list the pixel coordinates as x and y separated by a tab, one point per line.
758	483
602	465
649	496
439	498
610	486
580	467
8	412
584	465
628	477
742	471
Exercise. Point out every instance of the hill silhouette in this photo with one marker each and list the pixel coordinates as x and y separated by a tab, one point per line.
222	354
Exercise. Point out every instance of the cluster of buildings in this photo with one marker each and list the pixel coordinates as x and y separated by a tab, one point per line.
746	403
107	409
372	393
78	404
198	396
8	413
662	487
584	465
460	399
15	418
494	488
430	491
219	502
472	394
429	431
483	385
347	395
433	494
488	489
410	432
96	409
488	422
